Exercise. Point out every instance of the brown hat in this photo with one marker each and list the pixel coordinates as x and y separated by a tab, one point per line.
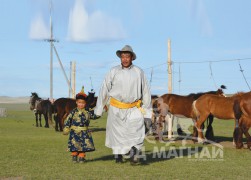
127	48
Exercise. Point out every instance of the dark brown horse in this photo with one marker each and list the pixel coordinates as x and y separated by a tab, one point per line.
63	107
41	107
181	106
242	111
219	107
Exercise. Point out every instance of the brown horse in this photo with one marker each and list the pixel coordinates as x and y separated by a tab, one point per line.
242	111
63	107
219	107
181	106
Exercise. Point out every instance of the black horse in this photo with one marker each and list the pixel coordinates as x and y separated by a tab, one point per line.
41	107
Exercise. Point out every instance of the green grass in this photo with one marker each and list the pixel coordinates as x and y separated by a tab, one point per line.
28	152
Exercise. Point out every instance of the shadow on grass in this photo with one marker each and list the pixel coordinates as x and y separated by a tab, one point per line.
150	157
219	139
153	157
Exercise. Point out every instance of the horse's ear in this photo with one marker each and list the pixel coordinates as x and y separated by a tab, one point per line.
223	87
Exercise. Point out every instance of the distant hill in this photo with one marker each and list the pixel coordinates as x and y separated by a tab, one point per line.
14	100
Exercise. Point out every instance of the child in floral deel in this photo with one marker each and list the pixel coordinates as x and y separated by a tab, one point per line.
76	125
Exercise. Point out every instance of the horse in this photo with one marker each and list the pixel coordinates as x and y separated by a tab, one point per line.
181	106
219	107
41	107
242	112
63	107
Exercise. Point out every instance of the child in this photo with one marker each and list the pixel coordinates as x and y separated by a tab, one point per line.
77	122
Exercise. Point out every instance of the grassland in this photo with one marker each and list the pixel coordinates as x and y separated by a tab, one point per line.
28	152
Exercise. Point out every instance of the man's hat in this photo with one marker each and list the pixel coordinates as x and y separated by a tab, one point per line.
81	94
127	48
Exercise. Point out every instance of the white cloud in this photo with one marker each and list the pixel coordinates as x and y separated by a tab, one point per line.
38	29
90	27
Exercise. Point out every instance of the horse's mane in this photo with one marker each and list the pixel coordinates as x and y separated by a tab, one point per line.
34	94
197	95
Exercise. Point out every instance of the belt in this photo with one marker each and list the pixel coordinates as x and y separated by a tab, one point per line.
78	128
118	104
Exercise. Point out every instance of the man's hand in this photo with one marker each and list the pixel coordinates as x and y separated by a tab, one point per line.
94	117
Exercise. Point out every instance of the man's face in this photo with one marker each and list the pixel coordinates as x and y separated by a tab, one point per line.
126	59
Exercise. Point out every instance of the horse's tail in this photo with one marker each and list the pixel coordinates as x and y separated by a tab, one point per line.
237	131
237	110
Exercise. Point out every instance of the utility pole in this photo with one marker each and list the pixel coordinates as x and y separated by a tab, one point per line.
51	40
70	79
73	79
169	67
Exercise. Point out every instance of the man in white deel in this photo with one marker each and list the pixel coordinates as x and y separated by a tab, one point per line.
126	88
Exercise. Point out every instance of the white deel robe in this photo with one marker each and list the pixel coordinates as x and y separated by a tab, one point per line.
125	127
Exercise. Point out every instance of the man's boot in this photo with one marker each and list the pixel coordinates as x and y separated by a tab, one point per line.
135	157
118	158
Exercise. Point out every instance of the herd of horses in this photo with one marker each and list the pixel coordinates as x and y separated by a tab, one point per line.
59	109
197	106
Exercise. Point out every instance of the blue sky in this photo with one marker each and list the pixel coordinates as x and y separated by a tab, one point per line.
212	33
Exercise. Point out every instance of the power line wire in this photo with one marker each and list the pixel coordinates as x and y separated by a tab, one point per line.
244	75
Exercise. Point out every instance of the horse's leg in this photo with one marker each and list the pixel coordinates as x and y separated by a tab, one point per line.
56	121
36	114
198	125
179	129
195	132
49	114
209	132
238	138
46	120
245	125
61	124
40	120
159	128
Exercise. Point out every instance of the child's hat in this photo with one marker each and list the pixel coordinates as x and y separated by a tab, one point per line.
81	94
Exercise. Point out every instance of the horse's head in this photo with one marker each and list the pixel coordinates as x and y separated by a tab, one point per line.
91	100
160	108
220	92
32	100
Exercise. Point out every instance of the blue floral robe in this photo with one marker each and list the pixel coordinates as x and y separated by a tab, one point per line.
79	141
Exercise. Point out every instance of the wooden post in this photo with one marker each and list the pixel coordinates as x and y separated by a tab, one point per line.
70	79
73	79
169	64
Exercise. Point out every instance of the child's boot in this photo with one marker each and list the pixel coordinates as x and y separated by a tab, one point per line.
81	157
74	159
